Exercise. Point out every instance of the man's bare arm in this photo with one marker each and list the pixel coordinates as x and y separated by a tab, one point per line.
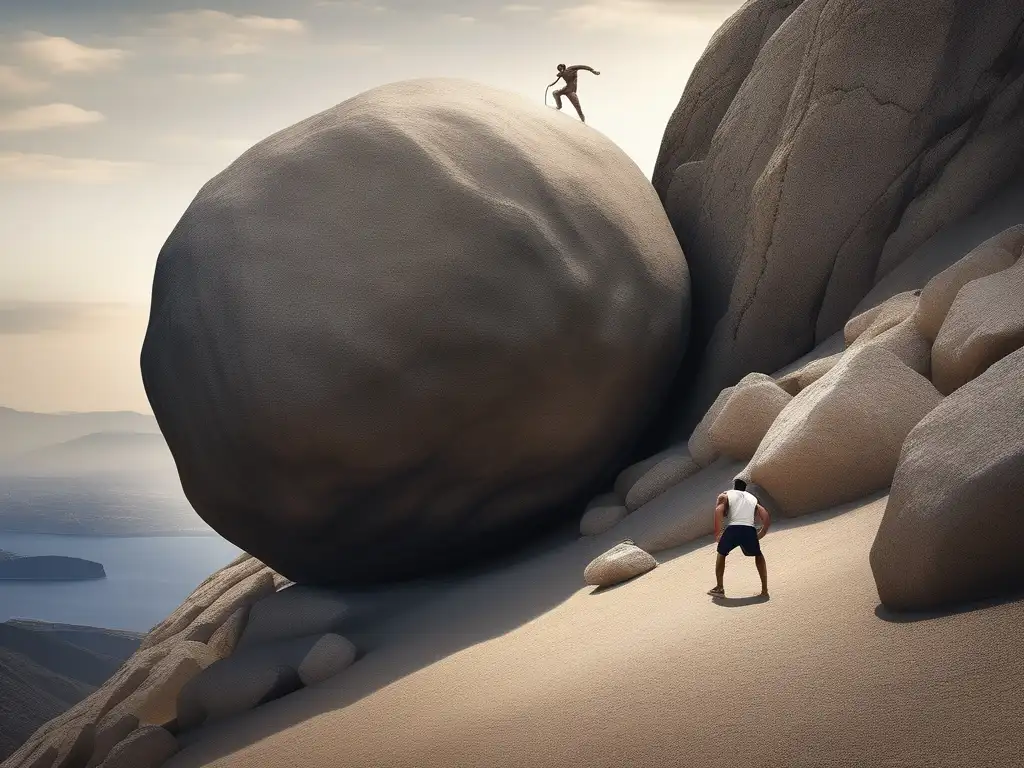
766	521
721	510
577	67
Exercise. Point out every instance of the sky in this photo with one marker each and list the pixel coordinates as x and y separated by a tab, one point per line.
113	113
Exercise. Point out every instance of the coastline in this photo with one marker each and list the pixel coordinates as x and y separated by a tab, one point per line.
154	535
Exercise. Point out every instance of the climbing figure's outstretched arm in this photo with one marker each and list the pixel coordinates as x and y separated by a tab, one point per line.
577	67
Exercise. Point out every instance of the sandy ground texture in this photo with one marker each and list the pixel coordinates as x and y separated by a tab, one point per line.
528	667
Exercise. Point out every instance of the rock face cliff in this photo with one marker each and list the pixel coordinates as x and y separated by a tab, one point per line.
816	145
402	332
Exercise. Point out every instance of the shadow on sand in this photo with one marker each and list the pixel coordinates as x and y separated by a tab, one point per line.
405	628
910	617
738	602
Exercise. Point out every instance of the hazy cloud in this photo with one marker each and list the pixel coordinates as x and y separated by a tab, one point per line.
212	78
14	81
48	116
520	8
27	166
220	33
457	18
61	55
355	48
218	146
361	6
35	317
650	16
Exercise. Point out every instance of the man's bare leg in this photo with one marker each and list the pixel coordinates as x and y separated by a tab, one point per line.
572	97
558	98
719	590
762	570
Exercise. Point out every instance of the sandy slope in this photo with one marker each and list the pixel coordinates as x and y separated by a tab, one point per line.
528	667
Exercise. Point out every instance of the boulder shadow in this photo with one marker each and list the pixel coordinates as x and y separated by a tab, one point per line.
401	629
613	587
911	617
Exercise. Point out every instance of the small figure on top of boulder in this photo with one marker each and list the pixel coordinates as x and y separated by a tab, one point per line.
569	75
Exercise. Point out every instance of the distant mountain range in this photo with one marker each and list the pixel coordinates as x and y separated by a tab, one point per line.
23	431
95	453
47	668
105	473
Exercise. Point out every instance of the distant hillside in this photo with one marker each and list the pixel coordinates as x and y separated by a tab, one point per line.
23	431
112	643
49	568
43	673
31	695
99	474
97	452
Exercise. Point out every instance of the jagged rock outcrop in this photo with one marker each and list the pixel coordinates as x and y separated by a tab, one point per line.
261	673
839	439
755	402
874	322
860	128
396	335
603	513
892	325
713	84
702	448
628	477
298	611
143	693
673	467
796	381
994	255
952	527
148	747
984	324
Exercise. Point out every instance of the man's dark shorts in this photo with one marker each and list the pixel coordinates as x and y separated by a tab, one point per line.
742	536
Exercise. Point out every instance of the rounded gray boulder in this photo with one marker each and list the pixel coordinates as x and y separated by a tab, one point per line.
952	532
402	332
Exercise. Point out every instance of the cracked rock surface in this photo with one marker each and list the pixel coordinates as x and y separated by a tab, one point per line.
858	129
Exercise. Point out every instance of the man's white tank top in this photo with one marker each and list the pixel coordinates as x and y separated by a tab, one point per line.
742	508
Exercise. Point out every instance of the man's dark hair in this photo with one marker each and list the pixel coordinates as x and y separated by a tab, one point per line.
739	485
561	66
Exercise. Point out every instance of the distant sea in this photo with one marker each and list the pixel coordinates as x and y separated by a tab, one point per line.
147	578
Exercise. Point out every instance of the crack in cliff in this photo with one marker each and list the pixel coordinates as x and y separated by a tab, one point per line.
870	94
971	116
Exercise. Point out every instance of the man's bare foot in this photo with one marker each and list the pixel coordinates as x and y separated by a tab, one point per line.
717	592
765	595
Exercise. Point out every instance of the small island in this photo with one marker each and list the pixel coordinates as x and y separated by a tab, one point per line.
48	568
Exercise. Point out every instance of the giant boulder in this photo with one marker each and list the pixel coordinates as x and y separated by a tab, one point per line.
399	334
857	130
953	528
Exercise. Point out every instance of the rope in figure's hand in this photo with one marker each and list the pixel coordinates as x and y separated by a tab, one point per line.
546	95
